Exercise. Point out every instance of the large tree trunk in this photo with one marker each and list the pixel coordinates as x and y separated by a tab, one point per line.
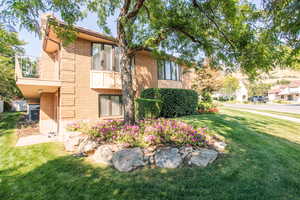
126	73
127	87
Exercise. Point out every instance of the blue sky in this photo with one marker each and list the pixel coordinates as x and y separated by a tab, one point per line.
33	46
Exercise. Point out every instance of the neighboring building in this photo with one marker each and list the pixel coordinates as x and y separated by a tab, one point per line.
18	105
273	94
1	106
83	82
291	92
241	93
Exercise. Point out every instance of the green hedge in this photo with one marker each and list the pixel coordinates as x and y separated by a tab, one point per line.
148	108
175	102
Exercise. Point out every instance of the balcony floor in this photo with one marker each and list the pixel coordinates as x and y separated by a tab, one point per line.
32	87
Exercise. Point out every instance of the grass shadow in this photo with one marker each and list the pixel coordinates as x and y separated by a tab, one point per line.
259	166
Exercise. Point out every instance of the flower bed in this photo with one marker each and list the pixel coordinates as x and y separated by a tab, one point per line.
146	133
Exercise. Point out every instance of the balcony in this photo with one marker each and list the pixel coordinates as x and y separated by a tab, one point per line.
105	80
28	78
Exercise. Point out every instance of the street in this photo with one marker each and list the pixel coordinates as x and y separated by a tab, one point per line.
288	108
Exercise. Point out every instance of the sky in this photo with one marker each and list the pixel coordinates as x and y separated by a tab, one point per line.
34	44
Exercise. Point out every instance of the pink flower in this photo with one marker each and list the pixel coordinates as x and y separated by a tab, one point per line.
150	138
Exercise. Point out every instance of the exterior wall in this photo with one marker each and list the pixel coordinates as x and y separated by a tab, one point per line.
48	120
67	90
48	66
78	101
187	77
145	75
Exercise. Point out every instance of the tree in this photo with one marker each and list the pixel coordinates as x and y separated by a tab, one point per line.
207	80
10	45
231	85
223	30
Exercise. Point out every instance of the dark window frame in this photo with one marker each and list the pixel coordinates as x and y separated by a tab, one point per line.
102	48
174	67
110	105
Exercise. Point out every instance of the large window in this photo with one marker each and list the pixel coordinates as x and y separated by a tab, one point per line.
168	70
105	57
110	105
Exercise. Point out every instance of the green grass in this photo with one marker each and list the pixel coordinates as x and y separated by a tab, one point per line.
263	162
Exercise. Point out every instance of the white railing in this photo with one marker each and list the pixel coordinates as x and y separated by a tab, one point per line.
27	67
105	80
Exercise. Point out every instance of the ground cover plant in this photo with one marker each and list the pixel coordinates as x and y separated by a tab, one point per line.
263	163
144	133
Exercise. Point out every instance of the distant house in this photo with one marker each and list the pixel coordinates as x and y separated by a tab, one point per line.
241	93
82	81
290	92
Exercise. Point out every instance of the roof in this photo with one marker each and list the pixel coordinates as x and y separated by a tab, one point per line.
294	84
274	91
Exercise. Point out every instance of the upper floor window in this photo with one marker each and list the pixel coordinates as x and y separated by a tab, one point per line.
105	57
168	70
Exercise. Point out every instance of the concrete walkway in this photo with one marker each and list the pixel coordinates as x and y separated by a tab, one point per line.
270	115
34	139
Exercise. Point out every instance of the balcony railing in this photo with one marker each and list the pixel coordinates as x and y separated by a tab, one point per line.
27	67
105	80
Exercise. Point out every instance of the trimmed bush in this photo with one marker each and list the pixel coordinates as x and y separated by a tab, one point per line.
148	108
174	102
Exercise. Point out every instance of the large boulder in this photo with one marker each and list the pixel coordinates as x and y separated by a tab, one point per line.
168	158
87	145
72	141
128	159
203	157
104	154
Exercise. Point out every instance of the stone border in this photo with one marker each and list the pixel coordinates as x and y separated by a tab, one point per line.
128	159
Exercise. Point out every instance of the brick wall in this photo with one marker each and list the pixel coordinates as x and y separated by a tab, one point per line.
77	100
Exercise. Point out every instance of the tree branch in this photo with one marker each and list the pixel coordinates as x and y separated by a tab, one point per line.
194	39
195	3
139	4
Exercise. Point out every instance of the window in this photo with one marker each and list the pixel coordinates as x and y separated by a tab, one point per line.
105	57
168	70
110	105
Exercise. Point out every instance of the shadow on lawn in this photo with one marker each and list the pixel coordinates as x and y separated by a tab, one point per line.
259	166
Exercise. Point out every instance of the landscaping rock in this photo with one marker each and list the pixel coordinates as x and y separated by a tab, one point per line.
104	154
185	151
168	158
72	141
87	145
220	146
203	157
128	159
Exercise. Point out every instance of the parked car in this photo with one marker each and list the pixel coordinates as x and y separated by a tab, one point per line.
258	99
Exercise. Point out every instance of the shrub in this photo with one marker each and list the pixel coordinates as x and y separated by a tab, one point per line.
145	133
174	102
148	108
207	107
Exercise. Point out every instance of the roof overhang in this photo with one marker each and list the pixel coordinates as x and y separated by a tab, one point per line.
32	88
52	43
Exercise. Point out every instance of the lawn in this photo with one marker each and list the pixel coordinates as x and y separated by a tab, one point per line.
263	163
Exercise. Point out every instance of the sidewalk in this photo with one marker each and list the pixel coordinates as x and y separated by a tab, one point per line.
270	115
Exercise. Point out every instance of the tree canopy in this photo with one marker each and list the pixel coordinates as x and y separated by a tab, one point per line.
232	33
10	45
